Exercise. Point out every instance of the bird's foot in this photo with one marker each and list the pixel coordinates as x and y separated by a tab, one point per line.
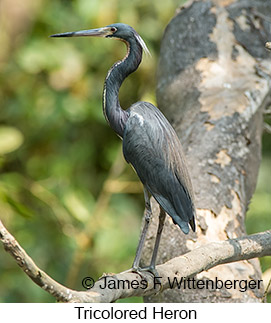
138	270
156	278
152	270
144	274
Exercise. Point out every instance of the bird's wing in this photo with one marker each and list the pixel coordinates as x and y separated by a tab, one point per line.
151	145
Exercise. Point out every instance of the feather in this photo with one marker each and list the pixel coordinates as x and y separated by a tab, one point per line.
151	145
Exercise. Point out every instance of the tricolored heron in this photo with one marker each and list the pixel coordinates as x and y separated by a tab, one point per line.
150	144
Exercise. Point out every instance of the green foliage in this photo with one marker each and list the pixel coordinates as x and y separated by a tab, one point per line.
258	216
10	139
65	191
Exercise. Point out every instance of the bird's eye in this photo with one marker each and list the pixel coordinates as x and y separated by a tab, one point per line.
113	29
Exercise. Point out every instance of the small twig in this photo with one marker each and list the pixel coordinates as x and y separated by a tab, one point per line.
267	127
266	291
260	15
190	264
267	283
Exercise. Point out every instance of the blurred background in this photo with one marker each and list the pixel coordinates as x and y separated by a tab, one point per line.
66	193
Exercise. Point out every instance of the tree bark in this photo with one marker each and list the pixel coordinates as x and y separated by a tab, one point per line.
213	85
111	287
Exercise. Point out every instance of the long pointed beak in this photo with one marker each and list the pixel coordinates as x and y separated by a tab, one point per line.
99	32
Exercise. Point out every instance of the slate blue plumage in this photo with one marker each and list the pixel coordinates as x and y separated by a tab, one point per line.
150	144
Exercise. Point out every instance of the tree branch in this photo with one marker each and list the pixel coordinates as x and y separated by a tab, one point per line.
190	264
208	93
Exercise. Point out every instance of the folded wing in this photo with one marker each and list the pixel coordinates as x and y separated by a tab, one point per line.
151	145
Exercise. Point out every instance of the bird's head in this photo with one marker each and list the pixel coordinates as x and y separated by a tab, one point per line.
119	31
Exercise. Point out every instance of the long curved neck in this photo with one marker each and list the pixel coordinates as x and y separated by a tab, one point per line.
113	112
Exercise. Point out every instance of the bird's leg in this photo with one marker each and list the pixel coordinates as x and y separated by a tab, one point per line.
162	217
147	215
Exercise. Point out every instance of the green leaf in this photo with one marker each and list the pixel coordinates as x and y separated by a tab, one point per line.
10	139
19	207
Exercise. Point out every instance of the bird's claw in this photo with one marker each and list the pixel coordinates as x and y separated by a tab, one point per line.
157	280
152	270
140	271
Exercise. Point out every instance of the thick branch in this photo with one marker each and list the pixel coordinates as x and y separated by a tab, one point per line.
190	264
213	84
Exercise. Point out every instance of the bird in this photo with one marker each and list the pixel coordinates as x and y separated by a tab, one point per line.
149	142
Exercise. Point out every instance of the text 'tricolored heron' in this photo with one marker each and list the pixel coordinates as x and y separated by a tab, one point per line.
150	144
